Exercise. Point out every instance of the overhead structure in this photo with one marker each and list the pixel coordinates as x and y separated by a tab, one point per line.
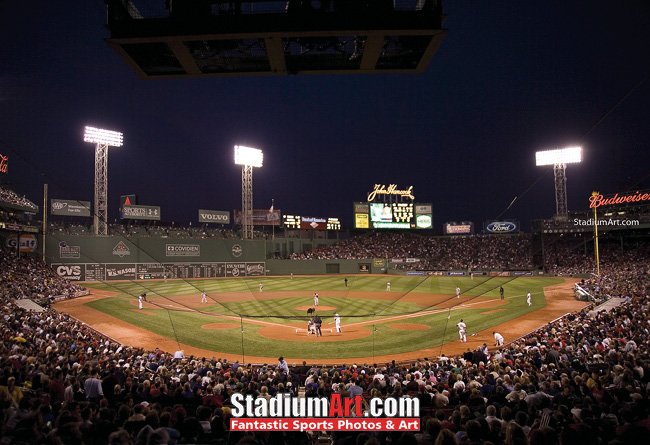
248	158
559	158
102	140
183	38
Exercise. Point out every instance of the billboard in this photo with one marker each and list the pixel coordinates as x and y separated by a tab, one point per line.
510	226
393	215
214	216
261	217
462	228
66	207
28	242
140	212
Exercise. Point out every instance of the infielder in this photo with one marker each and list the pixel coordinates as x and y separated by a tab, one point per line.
315	299
462	331
498	339
458	292
204	297
337	322
529	299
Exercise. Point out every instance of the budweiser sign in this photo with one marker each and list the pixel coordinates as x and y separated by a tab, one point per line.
597	200
4	163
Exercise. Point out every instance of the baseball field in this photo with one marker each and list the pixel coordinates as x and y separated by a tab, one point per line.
258	319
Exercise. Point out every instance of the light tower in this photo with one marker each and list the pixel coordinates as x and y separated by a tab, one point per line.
248	158
102	140
559	158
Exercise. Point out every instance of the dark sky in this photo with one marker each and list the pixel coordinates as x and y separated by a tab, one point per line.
510	78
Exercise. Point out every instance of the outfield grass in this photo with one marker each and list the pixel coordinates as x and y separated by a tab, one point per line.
235	301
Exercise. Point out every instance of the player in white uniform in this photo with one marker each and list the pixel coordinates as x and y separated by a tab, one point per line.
315	299
261	287
498	339
458	292
204	297
139	301
462	330
529	299
388	286
337	322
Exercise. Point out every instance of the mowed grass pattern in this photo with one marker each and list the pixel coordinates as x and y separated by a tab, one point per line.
237	301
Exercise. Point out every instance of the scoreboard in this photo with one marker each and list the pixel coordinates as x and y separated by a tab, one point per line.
310	222
392	215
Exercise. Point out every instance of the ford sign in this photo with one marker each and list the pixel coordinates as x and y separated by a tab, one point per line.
501	227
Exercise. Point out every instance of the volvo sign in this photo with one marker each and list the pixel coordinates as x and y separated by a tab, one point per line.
214	216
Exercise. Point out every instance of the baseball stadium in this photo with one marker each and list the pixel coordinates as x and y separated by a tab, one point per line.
137	330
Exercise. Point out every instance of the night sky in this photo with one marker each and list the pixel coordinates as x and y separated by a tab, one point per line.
510	78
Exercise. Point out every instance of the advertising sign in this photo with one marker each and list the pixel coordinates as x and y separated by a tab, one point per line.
120	271
182	250
214	216
140	212
463	228
66	251
261	217
72	272
66	207
502	227
28	243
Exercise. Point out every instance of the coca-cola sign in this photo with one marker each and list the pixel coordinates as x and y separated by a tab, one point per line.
501	227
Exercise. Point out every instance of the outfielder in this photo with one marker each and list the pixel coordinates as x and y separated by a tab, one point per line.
462	331
529	299
139	301
458	292
388	286
204	297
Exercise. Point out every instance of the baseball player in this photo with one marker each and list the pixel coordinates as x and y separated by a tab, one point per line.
529	299
204	297
458	292
462	331
139	301
315	299
337	322
498	339
388	286
501	292
261	287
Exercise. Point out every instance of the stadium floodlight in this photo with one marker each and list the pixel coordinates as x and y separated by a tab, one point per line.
559	158
106	137
248	158
102	140
569	155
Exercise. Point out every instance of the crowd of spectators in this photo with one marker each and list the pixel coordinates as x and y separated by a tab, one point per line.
10	197
202	231
581	379
477	252
26	276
